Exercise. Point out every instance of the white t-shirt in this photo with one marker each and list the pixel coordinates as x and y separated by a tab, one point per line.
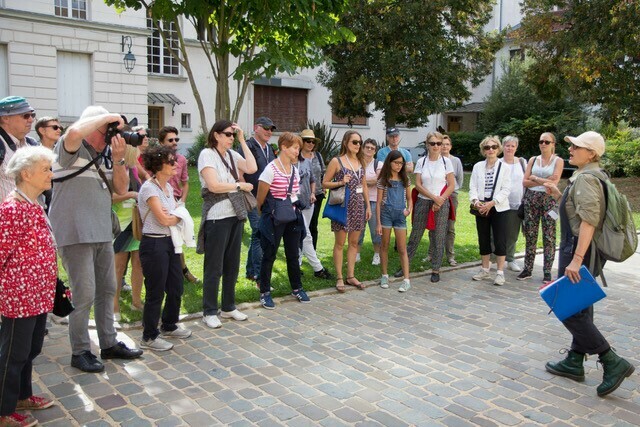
371	174
517	175
210	159
433	174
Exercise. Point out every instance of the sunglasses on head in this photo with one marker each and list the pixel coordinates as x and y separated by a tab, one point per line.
490	147
432	143
55	127
356	142
542	141
173	139
28	116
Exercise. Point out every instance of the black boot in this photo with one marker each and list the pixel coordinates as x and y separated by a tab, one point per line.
616	369
570	367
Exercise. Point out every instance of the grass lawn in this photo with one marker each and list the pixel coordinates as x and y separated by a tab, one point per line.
466	248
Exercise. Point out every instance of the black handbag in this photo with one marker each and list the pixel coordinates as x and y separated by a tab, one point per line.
62	304
283	210
242	201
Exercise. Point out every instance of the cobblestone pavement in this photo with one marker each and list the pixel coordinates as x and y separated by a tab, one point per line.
455	353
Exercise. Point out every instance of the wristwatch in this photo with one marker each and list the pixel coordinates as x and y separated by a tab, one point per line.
120	162
237	186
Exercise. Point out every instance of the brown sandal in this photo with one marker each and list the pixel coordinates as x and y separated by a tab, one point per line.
359	285
340	288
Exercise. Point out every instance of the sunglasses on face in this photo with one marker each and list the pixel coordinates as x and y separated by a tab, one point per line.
576	147
432	143
227	134
173	139
172	161
269	128
310	141
28	116
490	147
542	141
356	142
54	127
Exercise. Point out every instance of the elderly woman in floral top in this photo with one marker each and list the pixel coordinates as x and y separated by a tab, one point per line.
27	282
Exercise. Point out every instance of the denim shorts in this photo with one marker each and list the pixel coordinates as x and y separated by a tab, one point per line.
393	218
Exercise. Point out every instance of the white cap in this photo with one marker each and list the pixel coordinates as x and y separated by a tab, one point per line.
590	140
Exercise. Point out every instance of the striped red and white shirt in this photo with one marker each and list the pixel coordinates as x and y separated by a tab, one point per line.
279	182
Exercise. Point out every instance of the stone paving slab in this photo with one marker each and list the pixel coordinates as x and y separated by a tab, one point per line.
456	353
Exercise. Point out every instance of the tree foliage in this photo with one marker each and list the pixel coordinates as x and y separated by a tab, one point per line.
515	108
247	39
410	58
590	47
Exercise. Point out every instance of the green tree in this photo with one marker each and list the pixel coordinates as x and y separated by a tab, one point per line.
246	39
515	108
410	58
590	47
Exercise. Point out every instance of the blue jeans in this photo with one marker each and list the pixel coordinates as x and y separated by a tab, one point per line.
373	224
254	258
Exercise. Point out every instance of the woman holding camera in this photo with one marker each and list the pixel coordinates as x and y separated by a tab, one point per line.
489	194
28	270
281	218
220	167
161	265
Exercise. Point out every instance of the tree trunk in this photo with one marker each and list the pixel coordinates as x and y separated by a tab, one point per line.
223	107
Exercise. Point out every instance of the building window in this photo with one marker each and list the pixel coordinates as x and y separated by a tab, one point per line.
156	120
4	71
186	121
286	106
76	9
74	84
159	58
516	54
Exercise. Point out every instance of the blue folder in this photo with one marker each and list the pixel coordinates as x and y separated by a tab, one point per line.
566	299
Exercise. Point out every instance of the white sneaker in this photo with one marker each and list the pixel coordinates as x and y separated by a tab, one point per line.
499	280
406	285
235	315
481	275
358	258
158	344
384	281
116	317
514	267
376	259
212	321
181	332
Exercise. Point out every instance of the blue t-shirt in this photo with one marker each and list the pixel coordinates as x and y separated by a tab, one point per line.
384	152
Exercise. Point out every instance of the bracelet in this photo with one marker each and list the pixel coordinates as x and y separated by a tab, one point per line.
579	256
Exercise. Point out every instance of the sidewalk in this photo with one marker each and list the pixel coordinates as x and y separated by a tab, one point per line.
454	353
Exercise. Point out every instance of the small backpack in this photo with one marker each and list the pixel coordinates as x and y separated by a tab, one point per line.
616	240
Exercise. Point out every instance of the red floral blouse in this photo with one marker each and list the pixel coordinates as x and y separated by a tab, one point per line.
28	266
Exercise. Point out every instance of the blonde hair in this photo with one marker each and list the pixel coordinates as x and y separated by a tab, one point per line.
130	156
553	138
486	140
437	135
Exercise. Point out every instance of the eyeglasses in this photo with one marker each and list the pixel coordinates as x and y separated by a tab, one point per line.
309	141
489	147
269	128
356	142
54	127
173	139
227	134
172	161
398	162
542	141
434	143
575	147
28	116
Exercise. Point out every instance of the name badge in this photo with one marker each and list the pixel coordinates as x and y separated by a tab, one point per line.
294	198
359	190
553	214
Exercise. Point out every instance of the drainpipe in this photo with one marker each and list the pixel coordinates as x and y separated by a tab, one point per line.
493	72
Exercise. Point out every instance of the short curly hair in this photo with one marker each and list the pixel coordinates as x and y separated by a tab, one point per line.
155	157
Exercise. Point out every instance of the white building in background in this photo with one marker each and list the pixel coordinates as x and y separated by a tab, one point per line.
63	55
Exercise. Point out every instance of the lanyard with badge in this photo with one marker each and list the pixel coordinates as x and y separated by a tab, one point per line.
357	174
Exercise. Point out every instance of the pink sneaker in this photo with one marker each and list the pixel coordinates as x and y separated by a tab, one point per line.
34	403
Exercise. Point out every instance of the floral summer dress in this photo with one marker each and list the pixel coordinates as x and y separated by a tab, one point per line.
355	208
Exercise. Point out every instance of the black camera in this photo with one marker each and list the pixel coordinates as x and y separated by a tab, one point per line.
132	138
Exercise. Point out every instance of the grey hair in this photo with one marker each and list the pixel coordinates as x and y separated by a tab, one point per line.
26	158
93	111
510	138
138	128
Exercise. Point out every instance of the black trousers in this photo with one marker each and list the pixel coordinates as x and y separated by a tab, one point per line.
222	244
313	225
495	223
290	234
162	270
20	342
587	338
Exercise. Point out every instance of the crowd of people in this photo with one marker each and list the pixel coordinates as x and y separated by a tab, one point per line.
81	193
